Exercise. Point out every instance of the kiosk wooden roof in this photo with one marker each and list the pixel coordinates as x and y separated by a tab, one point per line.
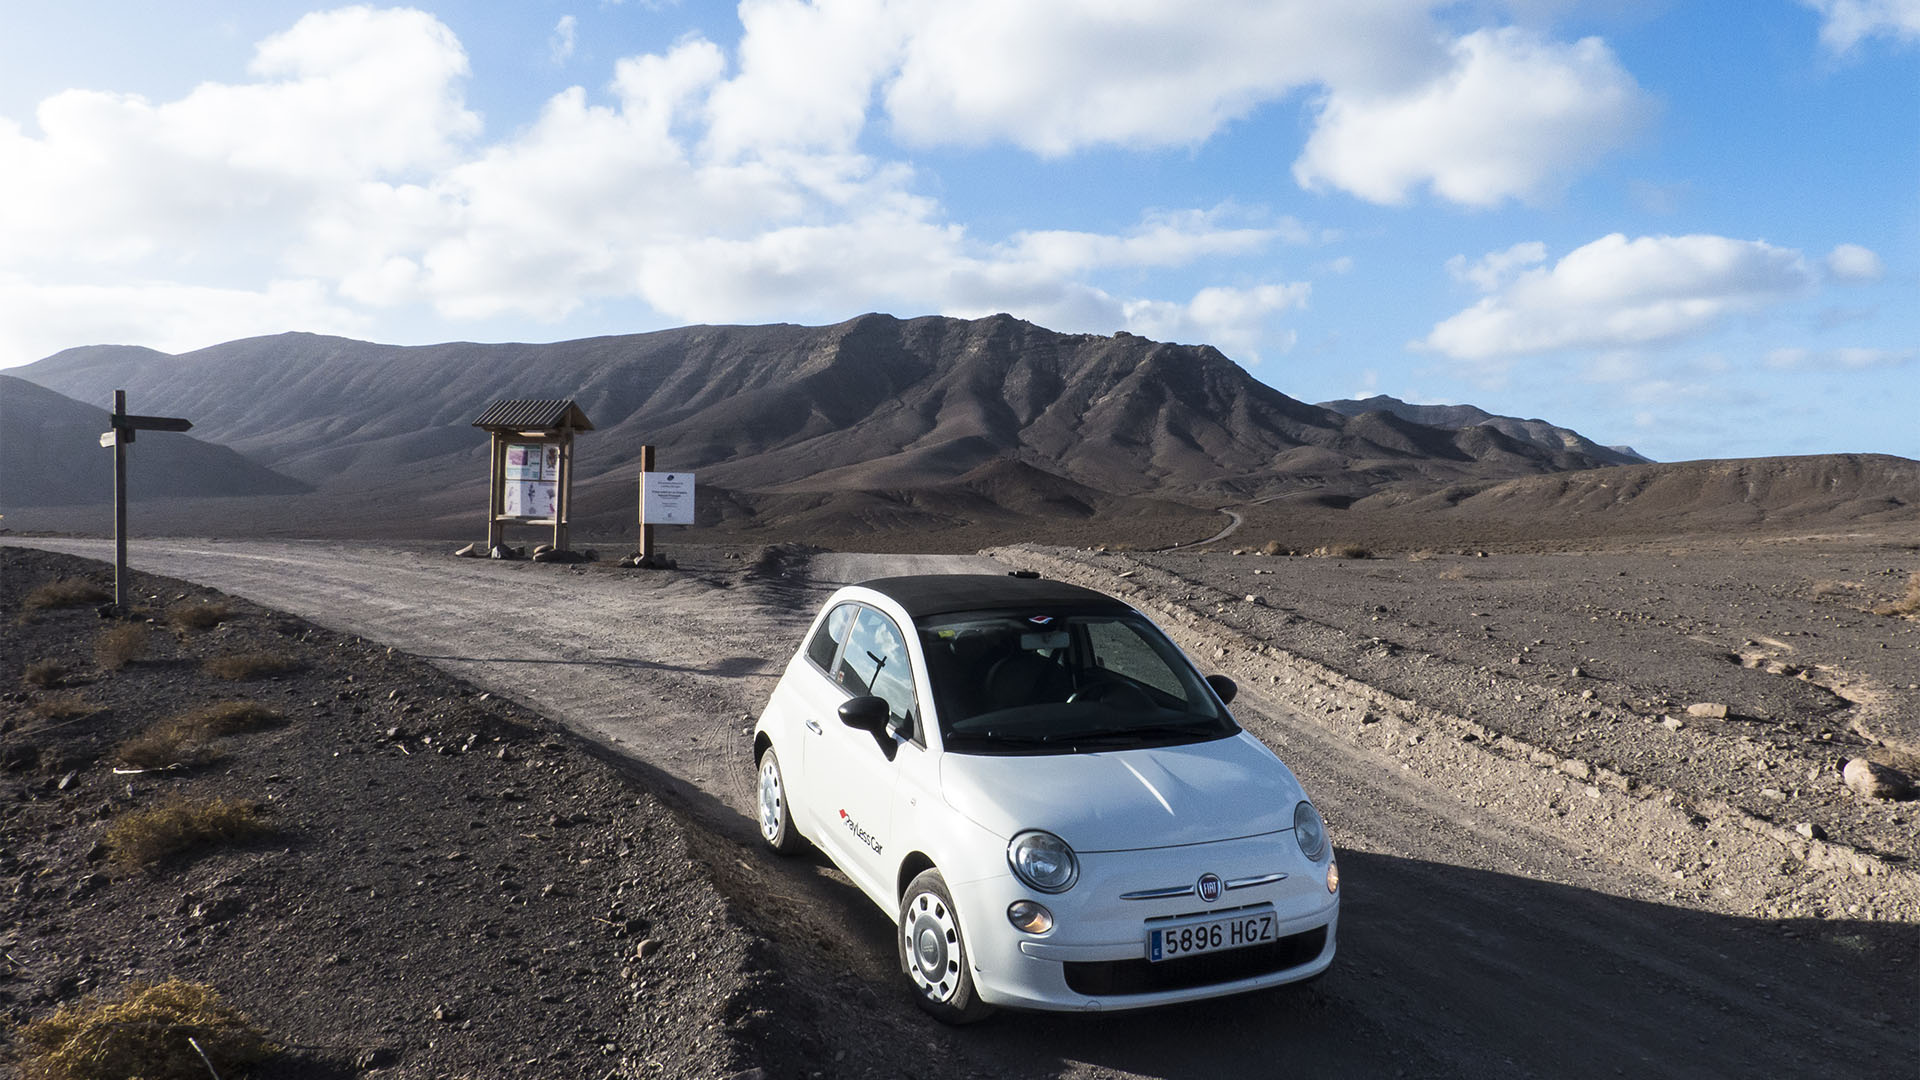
529	415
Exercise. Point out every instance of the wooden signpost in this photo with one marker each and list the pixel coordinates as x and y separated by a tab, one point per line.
124	426
665	499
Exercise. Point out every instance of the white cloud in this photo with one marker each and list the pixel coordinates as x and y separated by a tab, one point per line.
1055	78
1846	23
720	184
1619	293
341	97
42	319
1234	320
560	44
1494	269
1851	263
1511	118
1846	359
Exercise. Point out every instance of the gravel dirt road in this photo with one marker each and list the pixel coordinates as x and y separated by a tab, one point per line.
1505	916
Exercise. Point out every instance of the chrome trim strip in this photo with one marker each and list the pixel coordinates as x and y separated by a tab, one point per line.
1250	882
1158	894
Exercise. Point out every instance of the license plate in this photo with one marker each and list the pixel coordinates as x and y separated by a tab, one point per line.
1211	935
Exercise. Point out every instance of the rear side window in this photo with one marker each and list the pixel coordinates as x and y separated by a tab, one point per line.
826	641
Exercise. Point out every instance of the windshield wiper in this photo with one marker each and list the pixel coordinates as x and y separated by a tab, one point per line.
1145	733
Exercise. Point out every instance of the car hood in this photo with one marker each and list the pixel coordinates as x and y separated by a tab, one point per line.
1128	799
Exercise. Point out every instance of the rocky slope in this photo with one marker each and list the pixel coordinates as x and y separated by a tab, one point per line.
50	455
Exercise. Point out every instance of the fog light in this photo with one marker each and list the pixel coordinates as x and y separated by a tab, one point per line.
1030	917
1333	877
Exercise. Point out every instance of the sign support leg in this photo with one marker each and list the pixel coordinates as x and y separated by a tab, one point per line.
119	506
646	530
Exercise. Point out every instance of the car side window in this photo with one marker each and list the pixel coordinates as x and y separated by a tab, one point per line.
826	641
875	662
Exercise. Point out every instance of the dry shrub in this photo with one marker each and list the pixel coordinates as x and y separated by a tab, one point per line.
1456	572
182	825
184	739
1829	587
160	746
1908	604
249	665
226	718
190	616
143	1033
66	592
45	674
61	707
1343	551
119	645
1275	547
1420	556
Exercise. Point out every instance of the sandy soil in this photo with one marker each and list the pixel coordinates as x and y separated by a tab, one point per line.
1508	914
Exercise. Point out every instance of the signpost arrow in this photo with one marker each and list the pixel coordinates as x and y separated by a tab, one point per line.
151	423
124	425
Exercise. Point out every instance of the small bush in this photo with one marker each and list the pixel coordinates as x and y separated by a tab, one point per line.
160	746
45	674
61	707
189	616
184	739
1343	551
1456	572
1908	604
119	645
249	665
1275	547
143	1034
67	592
141	838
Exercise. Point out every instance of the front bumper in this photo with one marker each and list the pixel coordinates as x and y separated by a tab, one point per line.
1095	957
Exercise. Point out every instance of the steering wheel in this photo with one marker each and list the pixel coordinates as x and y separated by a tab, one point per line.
1119	694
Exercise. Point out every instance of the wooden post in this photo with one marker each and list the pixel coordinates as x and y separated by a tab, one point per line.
120	502
646	530
496	488
560	491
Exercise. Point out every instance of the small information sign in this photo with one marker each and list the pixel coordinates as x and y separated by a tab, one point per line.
667	498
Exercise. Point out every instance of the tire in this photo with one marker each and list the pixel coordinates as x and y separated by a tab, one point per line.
934	955
776	814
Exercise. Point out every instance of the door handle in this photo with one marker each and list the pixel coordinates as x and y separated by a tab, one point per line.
814	726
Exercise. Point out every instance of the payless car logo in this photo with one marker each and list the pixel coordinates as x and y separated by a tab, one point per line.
864	836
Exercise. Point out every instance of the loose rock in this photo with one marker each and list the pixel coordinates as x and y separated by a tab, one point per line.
1873	780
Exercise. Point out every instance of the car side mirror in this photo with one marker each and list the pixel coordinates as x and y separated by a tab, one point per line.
867	712
1223	686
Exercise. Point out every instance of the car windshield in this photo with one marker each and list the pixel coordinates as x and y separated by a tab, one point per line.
1062	683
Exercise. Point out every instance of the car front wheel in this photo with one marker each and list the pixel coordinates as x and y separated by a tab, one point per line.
776	816
935	955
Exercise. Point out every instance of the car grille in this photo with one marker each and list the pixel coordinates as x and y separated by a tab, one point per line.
1109	977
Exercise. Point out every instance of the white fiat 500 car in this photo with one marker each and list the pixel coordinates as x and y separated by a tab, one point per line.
1054	806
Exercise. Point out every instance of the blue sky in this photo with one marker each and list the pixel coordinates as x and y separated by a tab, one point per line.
1689	227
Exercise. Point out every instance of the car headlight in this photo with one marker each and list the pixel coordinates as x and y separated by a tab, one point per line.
1043	861
1309	831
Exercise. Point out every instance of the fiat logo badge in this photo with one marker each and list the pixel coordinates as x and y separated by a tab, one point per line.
1208	887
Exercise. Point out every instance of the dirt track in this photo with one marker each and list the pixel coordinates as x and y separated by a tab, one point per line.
1479	938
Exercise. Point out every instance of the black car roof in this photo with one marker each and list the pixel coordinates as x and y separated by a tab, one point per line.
942	594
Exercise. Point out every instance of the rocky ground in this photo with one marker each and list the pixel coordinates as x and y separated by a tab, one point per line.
1542	882
1733	681
452	886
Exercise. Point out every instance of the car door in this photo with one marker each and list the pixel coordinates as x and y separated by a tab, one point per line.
857	774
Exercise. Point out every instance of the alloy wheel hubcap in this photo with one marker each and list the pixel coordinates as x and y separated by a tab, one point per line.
933	943
769	799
